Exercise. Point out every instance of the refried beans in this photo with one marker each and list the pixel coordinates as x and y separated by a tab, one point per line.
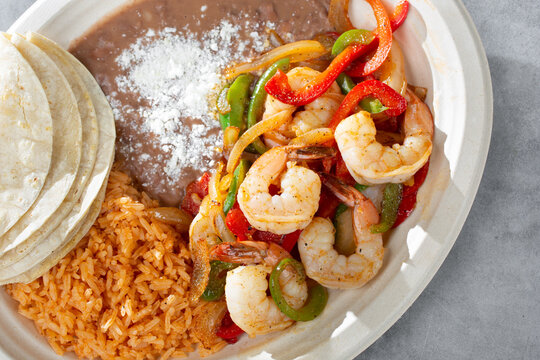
162	142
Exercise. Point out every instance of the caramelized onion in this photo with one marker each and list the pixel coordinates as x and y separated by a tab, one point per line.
201	267
297	51
313	137
338	15
230	136
224	233
173	216
208	322
419	91
275	39
254	132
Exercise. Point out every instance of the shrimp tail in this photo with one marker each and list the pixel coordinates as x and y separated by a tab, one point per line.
249	253
236	253
346	193
312	153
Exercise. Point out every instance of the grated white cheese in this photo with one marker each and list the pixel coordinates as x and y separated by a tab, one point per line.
174	72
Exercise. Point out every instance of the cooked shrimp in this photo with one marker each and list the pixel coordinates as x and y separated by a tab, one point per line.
246	286
315	115
293	208
323	263
369	162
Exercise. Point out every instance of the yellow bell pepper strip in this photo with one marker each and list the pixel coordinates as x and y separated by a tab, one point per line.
256	103
237	97
317	298
389	97
390	205
216	282
238	177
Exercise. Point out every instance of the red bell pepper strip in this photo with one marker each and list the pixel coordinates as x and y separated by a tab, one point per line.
328	204
228	330
195	192
384	34
397	19
395	103
287	241
238	224
278	86
343	173
408	198
400	14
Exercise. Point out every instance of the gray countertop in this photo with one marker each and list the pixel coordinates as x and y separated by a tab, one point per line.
484	303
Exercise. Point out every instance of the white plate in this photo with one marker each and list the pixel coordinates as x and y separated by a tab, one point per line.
444	53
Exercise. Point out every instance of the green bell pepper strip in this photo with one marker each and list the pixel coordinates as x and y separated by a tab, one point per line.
345	83
390	205
256	103
317	298
352	37
360	187
372	105
225	120
369	104
340	210
237	97
238	177
216	282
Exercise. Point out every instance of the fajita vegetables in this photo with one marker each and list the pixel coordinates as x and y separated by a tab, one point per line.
319	165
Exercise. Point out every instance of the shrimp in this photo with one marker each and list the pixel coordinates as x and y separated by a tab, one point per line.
323	263
369	162
314	115
246	286
293	208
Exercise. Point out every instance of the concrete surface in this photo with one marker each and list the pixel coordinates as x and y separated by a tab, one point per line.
484	303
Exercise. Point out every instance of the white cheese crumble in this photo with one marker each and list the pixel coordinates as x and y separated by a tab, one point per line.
174	72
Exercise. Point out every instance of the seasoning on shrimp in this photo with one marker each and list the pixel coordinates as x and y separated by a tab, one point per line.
369	162
245	290
314	115
323	263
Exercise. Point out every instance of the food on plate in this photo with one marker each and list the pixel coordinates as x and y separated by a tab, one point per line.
123	291
64	203
27	135
261	160
67	147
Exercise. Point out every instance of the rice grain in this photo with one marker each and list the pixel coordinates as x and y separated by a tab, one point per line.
123	292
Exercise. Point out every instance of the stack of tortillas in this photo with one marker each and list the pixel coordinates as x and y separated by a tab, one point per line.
57	135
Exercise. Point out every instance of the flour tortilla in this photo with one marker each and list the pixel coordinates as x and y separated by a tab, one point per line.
26	136
65	232
90	136
67	145
57	255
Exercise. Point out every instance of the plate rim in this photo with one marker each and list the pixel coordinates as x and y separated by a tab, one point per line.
48	8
